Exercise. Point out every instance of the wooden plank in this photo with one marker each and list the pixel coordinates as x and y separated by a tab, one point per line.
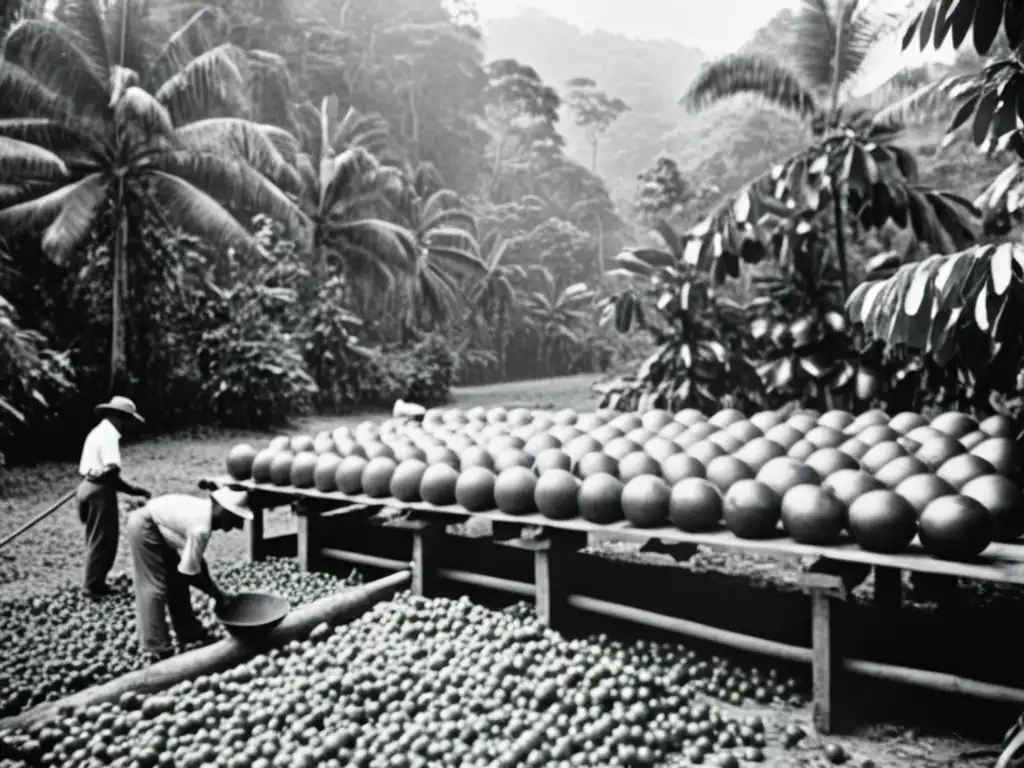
1000	563
823	661
253	530
307	522
426	543
553	566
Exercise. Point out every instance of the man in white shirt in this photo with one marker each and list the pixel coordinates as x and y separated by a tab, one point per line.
100	469
167	539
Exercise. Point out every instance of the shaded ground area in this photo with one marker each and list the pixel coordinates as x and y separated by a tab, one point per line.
49	555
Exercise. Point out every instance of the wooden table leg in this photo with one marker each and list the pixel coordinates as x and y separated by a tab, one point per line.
425	546
253	529
824	660
307	520
888	590
554	564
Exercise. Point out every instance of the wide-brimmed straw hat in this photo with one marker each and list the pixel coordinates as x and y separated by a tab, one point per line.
235	502
121	405
406	410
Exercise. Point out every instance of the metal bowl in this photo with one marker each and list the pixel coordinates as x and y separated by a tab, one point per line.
251	614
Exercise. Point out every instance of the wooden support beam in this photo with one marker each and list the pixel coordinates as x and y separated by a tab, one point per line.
553	566
307	518
426	544
253	530
824	660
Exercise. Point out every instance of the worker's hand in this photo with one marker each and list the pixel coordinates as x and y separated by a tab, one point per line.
142	493
222	599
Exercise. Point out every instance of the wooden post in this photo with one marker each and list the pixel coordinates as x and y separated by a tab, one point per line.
553	566
824	660
308	518
825	581
426	538
254	548
888	590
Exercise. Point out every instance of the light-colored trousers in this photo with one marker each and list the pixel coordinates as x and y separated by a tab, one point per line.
159	587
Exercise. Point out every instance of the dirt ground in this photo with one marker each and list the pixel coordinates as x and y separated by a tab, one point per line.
50	554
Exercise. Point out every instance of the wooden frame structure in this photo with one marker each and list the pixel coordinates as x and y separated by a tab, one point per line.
833	573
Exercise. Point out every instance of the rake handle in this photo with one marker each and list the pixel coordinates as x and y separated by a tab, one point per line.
39	518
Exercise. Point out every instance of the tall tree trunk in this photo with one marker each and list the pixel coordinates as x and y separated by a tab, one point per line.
119	290
593	156
837	200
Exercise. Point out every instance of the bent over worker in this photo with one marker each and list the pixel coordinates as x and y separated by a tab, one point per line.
100	468
167	539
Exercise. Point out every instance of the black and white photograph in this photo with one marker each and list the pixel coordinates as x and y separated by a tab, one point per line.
511	383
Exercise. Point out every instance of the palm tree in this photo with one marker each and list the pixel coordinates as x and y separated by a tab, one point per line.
95	118
493	294
447	253
559	315
831	44
345	194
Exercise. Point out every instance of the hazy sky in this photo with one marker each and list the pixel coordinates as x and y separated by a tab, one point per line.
714	26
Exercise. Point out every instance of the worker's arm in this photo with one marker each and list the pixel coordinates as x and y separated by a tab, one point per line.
204	582
193	567
111	476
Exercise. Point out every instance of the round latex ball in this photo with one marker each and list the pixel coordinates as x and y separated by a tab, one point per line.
848	485
349	476
600	499
303	468
960	470
752	510
922	490
474	489
725	471
438	484
784	473
883	521
828	461
695	506
899	469
405	482
240	460
551	459
760	451
513	491
512	457
377	477
638	464
556	494
645	501
281	468
324	472
679	467
1004	501
261	465
476	456
955	528
812	515
1002	453
597	463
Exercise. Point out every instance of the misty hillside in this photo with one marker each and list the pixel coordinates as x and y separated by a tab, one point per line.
726	145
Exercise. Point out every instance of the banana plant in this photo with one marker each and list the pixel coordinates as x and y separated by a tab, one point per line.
696	333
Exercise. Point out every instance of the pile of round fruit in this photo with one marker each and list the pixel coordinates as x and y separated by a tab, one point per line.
417	682
818	478
56	645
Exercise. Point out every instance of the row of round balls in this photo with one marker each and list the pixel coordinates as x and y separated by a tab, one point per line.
679	489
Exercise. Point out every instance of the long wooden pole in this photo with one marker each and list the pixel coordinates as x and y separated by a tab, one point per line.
39	518
223	655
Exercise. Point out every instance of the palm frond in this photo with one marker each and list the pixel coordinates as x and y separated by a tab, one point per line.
350	173
388	243
196	212
452	259
23	161
211	84
270	89
41	131
34	214
50	54
77	218
933	100
191	39
371	132
247	141
742	74
84	19
236	184
138	110
21	94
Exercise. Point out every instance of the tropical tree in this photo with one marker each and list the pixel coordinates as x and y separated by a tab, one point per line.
493	294
345	195
559	315
445	254
852	170
96	119
963	311
595	112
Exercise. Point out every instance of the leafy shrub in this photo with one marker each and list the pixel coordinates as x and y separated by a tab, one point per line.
421	374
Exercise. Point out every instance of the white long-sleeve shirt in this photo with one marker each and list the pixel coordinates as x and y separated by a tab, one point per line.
186	523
